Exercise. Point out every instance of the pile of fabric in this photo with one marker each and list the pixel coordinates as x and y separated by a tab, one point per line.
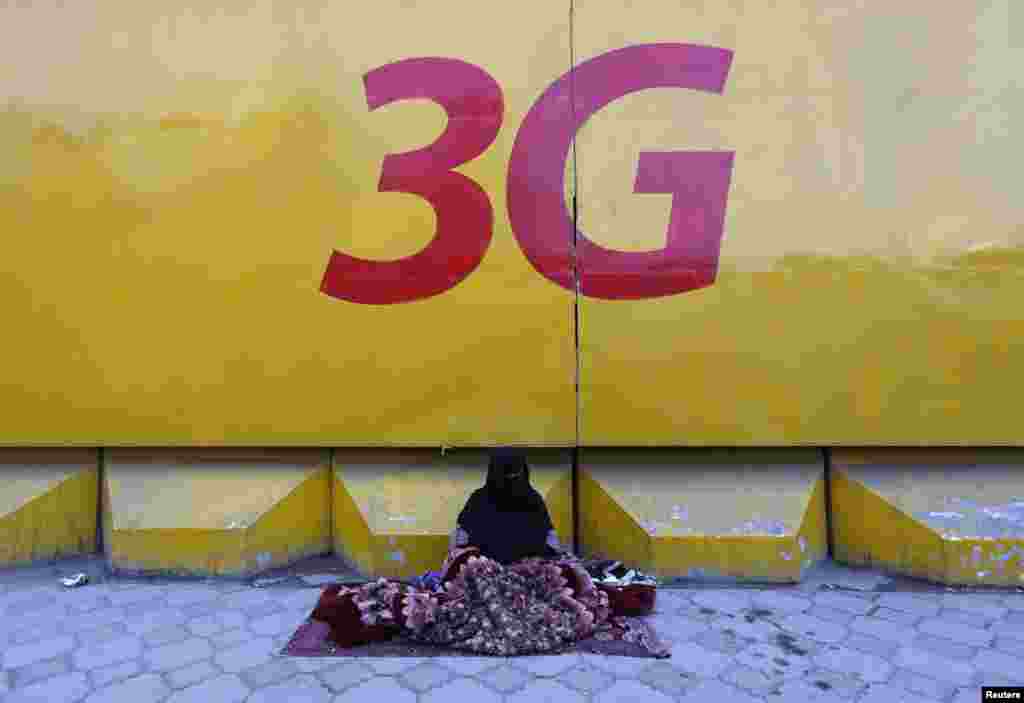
532	606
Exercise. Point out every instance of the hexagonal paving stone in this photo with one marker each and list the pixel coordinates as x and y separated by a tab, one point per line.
301	689
273	671
781	602
586	679
754	680
31	629
925	663
896	616
837	683
191	675
37	671
231	638
694	659
187	595
839	617
945	647
988	606
548	665
707	691
545	691
115	672
461	690
204	626
845	603
389	666
425	676
773	661
310	665
631	692
68	688
23	655
884	693
245	599
921	685
804	692
281	622
223	689
86	603
667	678
678	628
99	635
868	645
345	675
173	656
505	678
379	690
468	666
154	620
992	662
29	602
918	604
620	666
813	628
166	635
254	652
722	601
721	641
147	688
259	611
138	593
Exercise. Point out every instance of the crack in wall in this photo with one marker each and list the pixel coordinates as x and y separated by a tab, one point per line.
575	218
575	478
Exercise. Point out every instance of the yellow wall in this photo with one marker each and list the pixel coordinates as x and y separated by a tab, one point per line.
169	207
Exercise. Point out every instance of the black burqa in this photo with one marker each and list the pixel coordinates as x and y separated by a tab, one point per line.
507	519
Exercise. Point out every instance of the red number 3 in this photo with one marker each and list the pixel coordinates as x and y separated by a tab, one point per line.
465	218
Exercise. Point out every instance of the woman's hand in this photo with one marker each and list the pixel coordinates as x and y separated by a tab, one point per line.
557	546
460	538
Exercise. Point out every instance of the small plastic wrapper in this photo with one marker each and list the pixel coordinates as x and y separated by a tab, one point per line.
75	581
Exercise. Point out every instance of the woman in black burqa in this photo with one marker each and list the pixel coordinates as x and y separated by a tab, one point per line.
506	518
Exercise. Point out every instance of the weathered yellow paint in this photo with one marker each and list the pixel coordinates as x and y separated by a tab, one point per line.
732	514
215	512
949	516
195	199
47	504
852	306
168	230
812	538
606	529
394	510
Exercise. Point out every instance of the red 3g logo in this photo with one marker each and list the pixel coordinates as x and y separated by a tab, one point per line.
545	230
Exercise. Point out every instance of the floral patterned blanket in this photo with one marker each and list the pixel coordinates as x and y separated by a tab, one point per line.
534	606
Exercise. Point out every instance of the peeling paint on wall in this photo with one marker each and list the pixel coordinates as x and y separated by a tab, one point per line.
969	519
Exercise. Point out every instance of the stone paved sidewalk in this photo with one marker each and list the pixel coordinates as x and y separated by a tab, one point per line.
165	640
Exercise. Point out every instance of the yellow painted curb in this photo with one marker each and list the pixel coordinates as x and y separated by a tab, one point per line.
215	512
47	504
394	510
746	515
952	516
